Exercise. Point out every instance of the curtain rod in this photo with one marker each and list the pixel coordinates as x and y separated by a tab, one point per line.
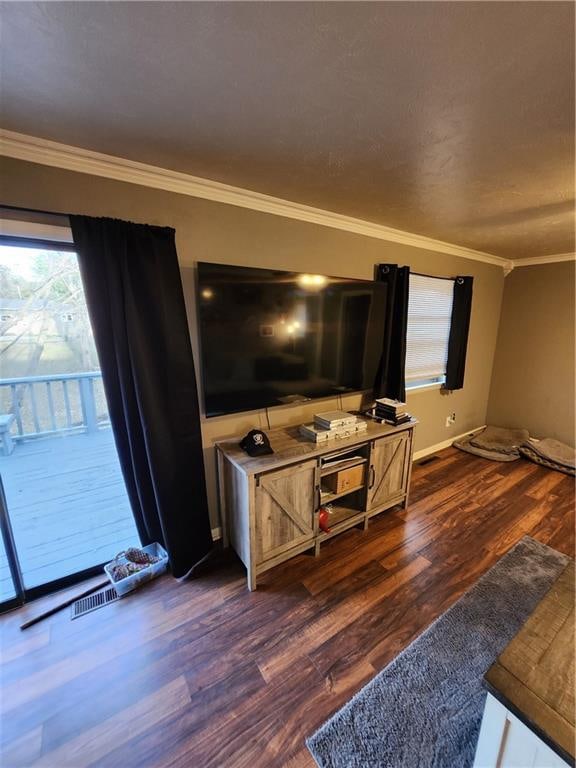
67	215
37	243
435	277
31	210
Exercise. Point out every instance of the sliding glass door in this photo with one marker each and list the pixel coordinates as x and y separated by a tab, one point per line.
66	506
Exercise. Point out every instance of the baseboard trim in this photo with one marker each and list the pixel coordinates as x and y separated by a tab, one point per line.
423	452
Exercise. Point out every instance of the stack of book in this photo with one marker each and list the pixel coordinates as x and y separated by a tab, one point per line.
333	425
391	411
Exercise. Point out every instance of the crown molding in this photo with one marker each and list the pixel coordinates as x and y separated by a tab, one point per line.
533	260
52	153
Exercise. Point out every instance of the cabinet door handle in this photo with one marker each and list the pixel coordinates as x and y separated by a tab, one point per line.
372	476
318	497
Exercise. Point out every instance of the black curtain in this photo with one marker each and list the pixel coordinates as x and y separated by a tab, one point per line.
136	304
390	378
459	327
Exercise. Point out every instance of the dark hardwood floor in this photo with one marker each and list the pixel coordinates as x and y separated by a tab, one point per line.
205	673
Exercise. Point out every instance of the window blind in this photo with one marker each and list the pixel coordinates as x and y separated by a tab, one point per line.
429	316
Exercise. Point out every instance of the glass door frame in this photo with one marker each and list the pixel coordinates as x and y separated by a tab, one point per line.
23	594
11	556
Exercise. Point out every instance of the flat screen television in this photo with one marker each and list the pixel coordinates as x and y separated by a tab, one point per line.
274	338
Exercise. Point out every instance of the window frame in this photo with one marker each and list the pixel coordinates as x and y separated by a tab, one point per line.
433	382
25	234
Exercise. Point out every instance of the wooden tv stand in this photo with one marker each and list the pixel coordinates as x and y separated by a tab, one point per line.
269	504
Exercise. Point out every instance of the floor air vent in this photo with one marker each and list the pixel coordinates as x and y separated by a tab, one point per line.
92	602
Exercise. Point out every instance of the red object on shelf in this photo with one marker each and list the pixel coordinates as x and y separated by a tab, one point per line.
323	517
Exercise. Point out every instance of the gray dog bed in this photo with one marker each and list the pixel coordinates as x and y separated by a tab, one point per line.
494	443
550	453
500	439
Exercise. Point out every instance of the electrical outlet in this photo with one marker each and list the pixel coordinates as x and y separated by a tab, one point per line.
450	420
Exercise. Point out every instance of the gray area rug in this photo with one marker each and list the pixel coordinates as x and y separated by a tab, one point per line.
424	709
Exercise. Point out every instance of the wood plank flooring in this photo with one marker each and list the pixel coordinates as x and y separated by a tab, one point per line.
205	674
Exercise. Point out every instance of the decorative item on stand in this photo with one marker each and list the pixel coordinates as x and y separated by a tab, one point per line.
391	411
256	443
324	518
333	425
334	419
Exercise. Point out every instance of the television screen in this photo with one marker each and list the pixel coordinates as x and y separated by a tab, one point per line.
273	338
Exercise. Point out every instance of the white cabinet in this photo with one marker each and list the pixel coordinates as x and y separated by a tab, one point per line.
505	742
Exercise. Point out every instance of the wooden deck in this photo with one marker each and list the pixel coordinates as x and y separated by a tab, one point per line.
68	506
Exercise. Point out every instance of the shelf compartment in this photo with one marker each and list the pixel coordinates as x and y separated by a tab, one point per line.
341	513
327	497
355	518
330	470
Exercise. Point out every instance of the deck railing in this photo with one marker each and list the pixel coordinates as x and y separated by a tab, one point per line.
55	404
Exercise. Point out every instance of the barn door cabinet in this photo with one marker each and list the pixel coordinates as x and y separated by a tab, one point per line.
390	461
269	504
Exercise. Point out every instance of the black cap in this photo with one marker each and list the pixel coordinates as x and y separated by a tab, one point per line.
256	443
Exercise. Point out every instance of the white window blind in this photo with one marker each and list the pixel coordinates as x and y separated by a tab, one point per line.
429	316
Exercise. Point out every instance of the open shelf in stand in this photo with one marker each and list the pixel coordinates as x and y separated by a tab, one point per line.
327	497
337	525
331	469
341	513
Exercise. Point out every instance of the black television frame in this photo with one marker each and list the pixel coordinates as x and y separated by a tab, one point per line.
296	400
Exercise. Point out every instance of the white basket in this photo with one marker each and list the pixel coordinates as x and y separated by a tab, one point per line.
123	586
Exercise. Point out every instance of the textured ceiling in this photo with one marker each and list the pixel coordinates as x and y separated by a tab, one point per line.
453	120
